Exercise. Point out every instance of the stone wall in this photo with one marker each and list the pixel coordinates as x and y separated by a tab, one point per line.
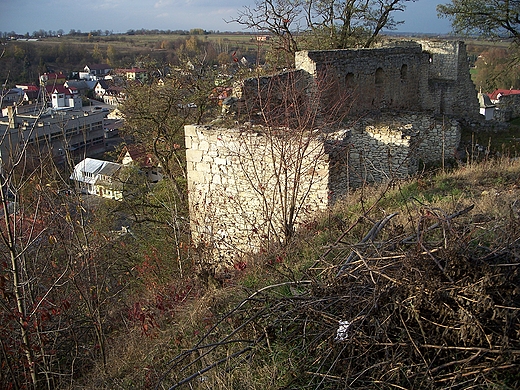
434	138
420	76
390	147
507	108
237	201
405	102
449	88
431	76
380	152
377	79
240	186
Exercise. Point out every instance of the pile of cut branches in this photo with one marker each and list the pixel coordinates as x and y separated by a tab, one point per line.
433	307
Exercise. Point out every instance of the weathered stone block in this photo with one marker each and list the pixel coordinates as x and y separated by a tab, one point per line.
203	167
194	155
207	159
204	146
196	177
220	161
190	131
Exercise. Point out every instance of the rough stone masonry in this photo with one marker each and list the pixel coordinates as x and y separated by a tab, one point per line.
407	104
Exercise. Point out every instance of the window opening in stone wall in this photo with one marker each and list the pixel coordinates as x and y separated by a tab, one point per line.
380	76
349	80
404	72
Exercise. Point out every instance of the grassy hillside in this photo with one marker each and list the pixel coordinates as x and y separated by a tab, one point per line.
407	285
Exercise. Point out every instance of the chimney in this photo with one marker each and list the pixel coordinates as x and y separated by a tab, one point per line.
11	115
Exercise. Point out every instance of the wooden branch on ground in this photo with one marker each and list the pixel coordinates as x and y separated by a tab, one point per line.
371	235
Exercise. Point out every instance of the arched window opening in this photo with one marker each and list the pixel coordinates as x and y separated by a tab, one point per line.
380	76
349	80
404	72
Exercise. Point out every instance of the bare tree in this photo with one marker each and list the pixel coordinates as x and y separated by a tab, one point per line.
156	115
298	25
55	280
284	164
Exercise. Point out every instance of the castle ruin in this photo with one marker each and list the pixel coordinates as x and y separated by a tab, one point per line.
407	102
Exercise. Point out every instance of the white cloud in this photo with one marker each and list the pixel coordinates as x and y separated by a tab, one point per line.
109	4
163	3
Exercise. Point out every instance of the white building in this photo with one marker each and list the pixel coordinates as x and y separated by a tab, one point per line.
62	97
487	108
98	177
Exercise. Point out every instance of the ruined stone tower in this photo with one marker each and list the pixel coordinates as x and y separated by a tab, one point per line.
407	101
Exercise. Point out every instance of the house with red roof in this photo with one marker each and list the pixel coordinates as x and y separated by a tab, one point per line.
147	163
30	92
498	93
62	97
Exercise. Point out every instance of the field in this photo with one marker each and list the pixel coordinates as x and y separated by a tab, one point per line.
153	42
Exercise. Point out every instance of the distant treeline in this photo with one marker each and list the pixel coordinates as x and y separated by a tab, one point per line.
99	33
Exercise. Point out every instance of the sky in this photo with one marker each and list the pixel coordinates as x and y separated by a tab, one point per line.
118	16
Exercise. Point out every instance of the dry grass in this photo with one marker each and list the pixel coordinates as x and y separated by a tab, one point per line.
432	300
